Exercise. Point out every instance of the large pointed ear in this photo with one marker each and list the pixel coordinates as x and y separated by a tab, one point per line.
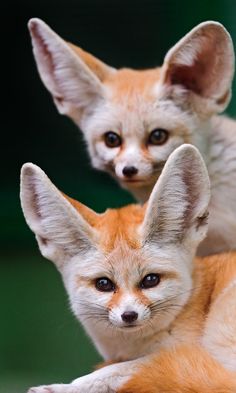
177	208
61	231
200	67
73	76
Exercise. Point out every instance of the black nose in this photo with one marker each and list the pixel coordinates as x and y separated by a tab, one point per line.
129	316
129	171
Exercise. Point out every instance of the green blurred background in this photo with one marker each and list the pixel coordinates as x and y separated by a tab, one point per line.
40	342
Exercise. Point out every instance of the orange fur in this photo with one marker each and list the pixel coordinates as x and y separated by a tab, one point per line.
185	369
130	83
211	274
96	65
126	220
189	368
193	351
115	299
114	225
124	80
88	214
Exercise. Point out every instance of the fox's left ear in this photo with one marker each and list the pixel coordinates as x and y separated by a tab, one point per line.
200	68
177	209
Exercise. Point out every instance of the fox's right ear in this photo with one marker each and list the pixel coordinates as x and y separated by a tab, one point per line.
177	209
199	69
73	76
60	229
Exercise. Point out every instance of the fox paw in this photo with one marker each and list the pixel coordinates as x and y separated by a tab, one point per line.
56	388
40	389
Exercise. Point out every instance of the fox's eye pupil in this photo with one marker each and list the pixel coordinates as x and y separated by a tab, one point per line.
150	280
112	139
104	284
158	137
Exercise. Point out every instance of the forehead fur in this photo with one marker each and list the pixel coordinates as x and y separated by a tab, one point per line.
124	81
114	225
132	82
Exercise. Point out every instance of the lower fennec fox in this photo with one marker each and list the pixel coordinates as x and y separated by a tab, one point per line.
132	120
134	284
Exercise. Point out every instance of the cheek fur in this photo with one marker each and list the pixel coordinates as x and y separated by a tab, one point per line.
160	154
104	154
88	304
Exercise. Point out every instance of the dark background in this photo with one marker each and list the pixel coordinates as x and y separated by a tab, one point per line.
40	342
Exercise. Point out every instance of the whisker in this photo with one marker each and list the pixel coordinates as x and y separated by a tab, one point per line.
163	302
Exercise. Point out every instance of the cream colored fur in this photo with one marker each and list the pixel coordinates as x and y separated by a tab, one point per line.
180	309
182	97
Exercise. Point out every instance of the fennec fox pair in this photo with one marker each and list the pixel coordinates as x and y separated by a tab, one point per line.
165	320
132	120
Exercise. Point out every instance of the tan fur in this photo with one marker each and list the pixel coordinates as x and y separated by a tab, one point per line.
185	369
124	82
126	218
115	299
130	83
96	65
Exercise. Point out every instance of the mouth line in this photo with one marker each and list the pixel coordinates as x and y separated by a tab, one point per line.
133	180
129	327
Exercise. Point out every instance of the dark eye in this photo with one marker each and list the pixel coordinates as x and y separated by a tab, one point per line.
158	137
112	139
150	280
104	284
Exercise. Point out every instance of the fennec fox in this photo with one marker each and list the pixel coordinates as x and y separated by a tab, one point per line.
135	286
132	120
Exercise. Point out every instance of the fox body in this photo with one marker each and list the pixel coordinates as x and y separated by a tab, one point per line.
132	120
134	284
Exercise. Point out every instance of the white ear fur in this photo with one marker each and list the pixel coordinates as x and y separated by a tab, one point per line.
60	230
202	64
177	208
73	85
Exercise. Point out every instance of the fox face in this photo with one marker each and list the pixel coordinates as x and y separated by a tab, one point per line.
130	290
132	120
127	270
131	134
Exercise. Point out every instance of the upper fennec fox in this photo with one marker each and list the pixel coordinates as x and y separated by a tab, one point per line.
133	282
132	120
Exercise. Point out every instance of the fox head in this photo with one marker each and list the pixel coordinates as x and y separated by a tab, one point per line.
127	269
132	120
